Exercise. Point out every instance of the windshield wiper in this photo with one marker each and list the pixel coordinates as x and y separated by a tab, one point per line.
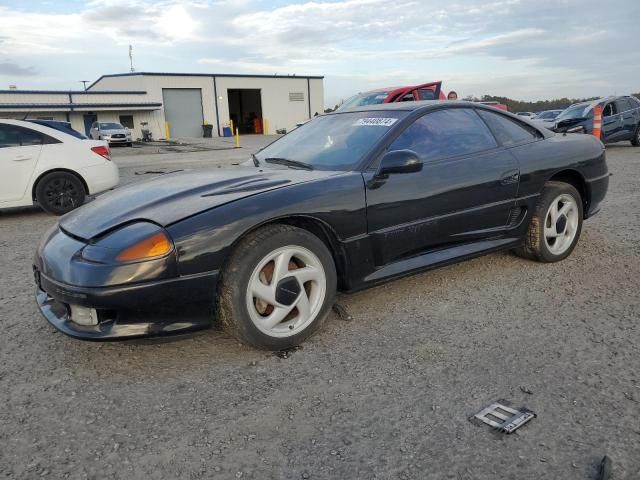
289	163
256	162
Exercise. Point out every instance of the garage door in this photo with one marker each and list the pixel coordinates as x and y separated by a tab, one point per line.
183	111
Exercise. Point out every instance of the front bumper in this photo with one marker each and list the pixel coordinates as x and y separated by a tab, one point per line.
112	140
149	309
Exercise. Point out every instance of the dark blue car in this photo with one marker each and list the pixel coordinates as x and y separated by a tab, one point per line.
620	119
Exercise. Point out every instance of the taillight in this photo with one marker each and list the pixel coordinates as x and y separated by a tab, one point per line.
102	151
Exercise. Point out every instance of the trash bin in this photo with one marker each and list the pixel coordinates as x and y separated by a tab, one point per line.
207	129
226	131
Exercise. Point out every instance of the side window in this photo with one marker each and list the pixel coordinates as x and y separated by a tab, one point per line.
623	105
426	94
609	110
507	131
446	133
9	136
30	137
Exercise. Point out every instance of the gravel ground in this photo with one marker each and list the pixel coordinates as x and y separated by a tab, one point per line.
387	395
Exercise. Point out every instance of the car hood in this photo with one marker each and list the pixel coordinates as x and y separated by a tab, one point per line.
563	125
172	197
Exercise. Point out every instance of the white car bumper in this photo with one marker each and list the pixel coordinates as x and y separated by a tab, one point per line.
100	177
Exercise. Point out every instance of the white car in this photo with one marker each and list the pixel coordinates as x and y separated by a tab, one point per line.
527	115
112	132
51	168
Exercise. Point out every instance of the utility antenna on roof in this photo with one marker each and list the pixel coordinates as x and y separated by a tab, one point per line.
84	84
131	58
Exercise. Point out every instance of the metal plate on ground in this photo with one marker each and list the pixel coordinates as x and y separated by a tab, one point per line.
504	417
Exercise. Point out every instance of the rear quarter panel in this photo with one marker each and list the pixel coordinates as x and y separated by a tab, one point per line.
539	161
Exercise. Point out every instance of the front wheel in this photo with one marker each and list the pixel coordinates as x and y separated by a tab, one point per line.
277	288
635	140
60	192
556	224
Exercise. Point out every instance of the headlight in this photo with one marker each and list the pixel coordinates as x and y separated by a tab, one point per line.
135	242
578	129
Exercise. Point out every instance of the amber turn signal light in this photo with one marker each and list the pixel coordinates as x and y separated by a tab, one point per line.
155	246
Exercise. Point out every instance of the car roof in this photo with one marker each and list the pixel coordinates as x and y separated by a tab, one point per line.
425	105
417	105
52	132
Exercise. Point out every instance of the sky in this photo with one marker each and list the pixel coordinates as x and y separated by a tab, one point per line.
523	49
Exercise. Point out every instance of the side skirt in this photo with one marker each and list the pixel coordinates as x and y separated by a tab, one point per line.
435	259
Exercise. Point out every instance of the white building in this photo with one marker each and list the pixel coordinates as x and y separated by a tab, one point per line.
177	103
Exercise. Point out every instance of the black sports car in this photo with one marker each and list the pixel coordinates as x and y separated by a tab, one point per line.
346	201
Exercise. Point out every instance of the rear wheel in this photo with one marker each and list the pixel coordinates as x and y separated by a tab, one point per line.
60	192
556	224
635	140
277	288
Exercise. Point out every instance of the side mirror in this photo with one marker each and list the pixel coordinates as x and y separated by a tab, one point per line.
399	161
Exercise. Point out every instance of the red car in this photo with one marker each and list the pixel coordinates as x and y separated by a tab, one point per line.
425	91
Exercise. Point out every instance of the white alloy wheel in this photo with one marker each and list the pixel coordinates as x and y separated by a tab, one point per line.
561	224
286	291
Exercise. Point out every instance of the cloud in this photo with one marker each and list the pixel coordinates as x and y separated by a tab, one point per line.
13	69
511	47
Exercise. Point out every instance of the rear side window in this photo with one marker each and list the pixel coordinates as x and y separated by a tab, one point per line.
624	105
508	132
446	133
15	136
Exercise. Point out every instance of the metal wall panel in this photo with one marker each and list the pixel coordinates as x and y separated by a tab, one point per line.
183	111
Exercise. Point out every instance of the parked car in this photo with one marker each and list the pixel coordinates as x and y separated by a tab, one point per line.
348	201
112	132
59	125
528	115
620	119
546	118
425	91
53	169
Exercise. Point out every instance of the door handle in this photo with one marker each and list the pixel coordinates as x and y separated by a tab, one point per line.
510	177
21	158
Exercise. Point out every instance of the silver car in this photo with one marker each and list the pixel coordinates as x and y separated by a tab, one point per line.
111	132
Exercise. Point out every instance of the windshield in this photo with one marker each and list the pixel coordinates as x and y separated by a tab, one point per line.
547	115
332	142
584	110
371	98
111	126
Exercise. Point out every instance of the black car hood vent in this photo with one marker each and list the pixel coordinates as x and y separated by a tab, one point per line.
248	186
169	198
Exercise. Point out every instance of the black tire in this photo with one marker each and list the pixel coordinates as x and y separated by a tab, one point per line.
130	144
60	192
635	140
535	247
232	307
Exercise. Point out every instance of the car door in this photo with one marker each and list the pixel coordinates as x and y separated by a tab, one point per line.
19	152
611	123
628	118
465	190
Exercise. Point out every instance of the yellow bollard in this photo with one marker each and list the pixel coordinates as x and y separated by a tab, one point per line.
231	126
265	126
237	139
167	131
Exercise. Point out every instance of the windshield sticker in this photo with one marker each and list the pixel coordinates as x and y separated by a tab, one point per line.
375	122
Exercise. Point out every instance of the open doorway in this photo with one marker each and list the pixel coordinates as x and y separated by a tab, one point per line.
245	109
